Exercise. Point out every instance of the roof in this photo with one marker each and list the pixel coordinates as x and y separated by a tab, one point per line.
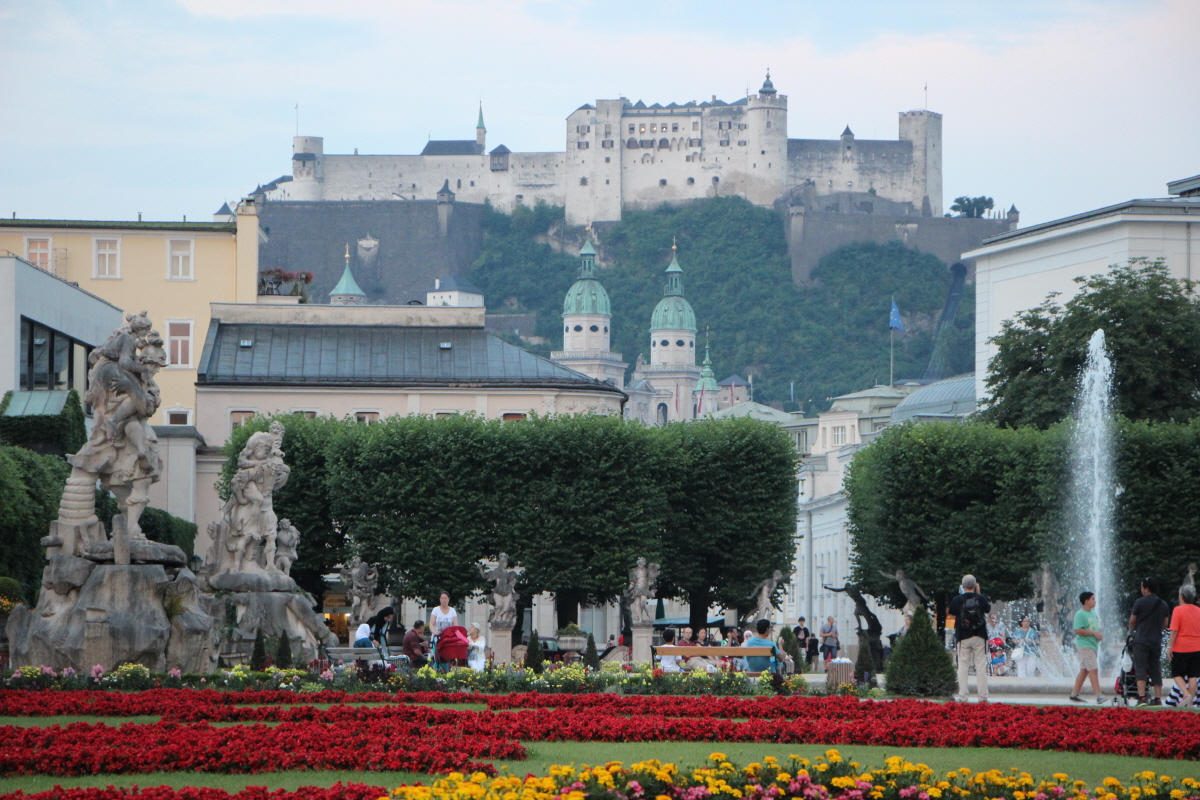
500	150
479	122
452	147
768	87
734	380
347	285
847	132
36	404
453	284
116	225
225	209
1185	187
1162	205
952	397
754	411
375	355
587	296
673	312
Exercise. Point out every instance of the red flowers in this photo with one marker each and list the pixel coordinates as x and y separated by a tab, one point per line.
339	791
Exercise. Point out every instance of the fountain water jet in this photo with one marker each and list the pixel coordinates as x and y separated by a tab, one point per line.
1093	492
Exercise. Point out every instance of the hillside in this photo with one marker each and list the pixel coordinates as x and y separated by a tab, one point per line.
829	338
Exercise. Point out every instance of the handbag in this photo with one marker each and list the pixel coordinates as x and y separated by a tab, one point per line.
1018	652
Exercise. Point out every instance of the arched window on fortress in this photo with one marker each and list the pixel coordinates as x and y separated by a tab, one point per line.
647	158
664	144
632	144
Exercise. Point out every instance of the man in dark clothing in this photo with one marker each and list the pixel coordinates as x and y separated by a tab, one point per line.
415	647
1146	622
970	610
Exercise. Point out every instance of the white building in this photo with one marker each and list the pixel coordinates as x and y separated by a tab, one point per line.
1015	271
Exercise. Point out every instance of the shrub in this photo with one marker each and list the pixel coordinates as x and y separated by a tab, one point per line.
920	665
10	589
791	645
591	658
48	434
533	655
864	665
258	658
283	652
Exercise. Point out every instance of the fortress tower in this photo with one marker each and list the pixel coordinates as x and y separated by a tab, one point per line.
766	130
672	373
924	129
308	176
587	315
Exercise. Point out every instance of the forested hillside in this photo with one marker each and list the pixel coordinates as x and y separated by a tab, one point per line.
829	338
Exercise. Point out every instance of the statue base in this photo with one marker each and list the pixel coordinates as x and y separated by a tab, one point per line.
280	613
252	582
500	640
643	639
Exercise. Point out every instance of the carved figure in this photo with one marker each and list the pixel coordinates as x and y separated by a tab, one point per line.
504	595
122	451
244	540
286	542
912	592
762	598
1047	591
642	580
1190	580
360	579
874	628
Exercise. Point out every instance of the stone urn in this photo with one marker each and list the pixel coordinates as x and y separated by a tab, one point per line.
572	643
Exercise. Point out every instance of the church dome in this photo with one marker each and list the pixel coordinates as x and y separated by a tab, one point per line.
673	312
587	296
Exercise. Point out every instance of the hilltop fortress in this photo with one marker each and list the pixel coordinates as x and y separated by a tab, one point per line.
620	155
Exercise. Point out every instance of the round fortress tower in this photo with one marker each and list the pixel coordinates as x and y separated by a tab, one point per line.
307	174
766	114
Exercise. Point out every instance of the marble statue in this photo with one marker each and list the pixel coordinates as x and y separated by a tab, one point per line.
642	580
763	607
1190	579
912	592
286	541
360	579
504	595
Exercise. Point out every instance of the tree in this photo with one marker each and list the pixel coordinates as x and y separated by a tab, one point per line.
732	515
1151	323
920	665
974	207
258	656
591	658
534	659
31	486
283	651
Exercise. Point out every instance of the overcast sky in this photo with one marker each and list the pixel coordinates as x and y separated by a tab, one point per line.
170	108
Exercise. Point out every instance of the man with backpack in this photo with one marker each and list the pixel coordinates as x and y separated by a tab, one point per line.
970	610
1146	623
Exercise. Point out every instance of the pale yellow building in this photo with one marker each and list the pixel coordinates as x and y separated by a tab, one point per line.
172	270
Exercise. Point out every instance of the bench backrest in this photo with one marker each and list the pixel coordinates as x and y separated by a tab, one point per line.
721	652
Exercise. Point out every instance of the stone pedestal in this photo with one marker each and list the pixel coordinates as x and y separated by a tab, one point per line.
500	640
643	637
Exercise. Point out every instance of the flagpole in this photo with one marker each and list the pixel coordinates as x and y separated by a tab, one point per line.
892	350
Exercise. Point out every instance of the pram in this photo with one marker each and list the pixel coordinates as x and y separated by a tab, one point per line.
1126	686
997	657
450	650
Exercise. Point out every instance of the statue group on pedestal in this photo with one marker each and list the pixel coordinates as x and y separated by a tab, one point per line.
504	596
643	578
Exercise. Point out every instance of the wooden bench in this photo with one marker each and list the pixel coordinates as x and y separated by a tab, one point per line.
348	654
688	651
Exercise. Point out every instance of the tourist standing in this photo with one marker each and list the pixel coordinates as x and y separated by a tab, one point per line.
829	640
1147	621
443	616
1183	648
1087	646
1026	640
970	610
476	648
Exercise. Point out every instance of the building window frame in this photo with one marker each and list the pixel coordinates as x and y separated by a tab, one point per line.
169	415
190	255
839	435
186	344
112	258
367	416
239	417
32	257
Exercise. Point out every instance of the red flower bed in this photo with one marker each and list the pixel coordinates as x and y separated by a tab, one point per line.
339	791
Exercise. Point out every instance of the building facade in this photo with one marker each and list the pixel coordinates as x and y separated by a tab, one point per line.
622	155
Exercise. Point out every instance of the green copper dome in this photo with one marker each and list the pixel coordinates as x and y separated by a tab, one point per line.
673	312
587	296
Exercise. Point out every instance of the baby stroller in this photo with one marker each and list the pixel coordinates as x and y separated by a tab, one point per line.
451	648
1126	687
997	657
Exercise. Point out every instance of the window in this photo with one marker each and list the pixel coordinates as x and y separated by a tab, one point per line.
595	329
662	181
741	126
691	181
108	258
607	144
178	415
179	342
674	127
839	435
693	142
607	159
632	144
695	126
239	418
179	260
724	143
608	130
583	145
305	414
512	417
741	142
716	180
50	360
631	129
37	252
445	414
366	417
724	126
642	128
583	181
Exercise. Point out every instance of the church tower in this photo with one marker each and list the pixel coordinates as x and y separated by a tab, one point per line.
672	371
707	390
347	293
587	317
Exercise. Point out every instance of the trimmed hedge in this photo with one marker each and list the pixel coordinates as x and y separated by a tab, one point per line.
53	434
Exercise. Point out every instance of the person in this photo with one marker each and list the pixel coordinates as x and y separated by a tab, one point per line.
829	639
1147	620
801	631
414	645
1025	651
997	629
702	638
362	636
670	663
1183	648
443	616
612	640
379	631
761	638
476	648
687	638
970	610
1087	646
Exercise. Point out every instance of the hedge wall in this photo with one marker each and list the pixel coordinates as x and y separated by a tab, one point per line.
55	434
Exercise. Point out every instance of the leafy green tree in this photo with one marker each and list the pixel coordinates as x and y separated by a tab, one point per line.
920	665
732	518
1151	324
30	488
975	207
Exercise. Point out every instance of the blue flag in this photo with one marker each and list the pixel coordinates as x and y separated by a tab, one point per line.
895	321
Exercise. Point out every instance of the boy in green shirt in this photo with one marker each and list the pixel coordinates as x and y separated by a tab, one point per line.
1087	646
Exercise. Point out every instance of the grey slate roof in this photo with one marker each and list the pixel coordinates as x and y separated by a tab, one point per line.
453	284
734	380
452	147
363	355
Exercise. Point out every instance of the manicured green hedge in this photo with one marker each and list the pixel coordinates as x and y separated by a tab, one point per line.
60	433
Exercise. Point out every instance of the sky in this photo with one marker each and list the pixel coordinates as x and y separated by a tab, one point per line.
169	108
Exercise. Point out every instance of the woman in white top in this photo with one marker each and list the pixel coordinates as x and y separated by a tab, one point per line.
443	616
362	636
476	648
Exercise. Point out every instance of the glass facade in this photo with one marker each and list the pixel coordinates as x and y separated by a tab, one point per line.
51	360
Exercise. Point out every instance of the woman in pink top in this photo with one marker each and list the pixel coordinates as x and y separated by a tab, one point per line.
1183	648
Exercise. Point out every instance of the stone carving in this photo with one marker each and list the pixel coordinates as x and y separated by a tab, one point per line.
360	579
763	607
504	595
642	580
1048	592
912	592
286	542
1190	579
874	629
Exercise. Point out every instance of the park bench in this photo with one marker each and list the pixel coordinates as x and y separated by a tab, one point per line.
368	654
687	651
